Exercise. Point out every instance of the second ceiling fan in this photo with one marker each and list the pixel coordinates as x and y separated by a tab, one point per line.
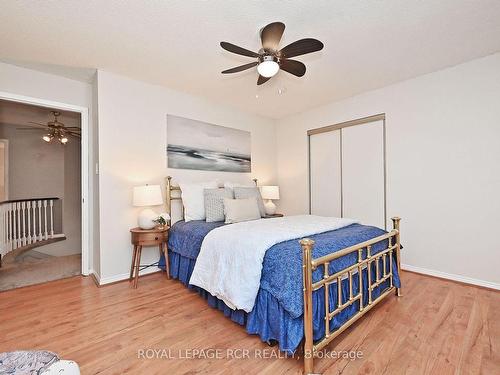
270	59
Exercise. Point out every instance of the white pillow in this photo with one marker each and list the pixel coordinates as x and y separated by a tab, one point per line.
238	210
192	199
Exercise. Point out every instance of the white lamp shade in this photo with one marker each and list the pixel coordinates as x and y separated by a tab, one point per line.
148	195
270	192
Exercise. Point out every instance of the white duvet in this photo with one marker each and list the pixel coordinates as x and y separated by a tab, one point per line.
229	264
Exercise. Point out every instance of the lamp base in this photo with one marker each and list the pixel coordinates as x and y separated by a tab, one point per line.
270	207
145	219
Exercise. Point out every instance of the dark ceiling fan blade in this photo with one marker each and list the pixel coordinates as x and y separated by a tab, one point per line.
73	127
301	47
241	68
238	50
36	124
262	79
293	67
33	128
271	34
76	135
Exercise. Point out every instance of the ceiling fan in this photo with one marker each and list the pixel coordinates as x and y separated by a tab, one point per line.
270	59
55	129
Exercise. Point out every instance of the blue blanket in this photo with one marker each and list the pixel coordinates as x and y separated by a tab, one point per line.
185	238
278	310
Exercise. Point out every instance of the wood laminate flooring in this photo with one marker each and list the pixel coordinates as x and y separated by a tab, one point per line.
437	327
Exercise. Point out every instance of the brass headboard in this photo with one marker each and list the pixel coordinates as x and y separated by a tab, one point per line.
174	193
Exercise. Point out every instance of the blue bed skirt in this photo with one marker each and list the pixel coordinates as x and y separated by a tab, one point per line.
268	319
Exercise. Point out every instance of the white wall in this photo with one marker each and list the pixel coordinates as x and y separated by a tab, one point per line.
443	154
26	82
132	151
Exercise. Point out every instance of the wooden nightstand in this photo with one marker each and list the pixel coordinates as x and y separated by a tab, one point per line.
274	215
147	237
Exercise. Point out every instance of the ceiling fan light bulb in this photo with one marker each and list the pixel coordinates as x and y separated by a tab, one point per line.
63	140
47	138
268	68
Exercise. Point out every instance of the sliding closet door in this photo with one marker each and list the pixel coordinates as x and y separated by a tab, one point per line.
363	173
325	174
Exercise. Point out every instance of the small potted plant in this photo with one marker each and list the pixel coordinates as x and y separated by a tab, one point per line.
161	220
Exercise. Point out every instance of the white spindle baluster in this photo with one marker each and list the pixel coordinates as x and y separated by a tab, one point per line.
23	223
16	224
51	203
9	226
28	211
33	236
45	236
39	203
19	225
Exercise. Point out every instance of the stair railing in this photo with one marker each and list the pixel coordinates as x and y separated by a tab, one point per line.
24	222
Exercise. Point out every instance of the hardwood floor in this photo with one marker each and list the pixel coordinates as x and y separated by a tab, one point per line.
437	327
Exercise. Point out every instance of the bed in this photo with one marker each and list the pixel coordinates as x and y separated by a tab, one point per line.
309	289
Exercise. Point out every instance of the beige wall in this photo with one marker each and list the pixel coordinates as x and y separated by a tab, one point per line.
132	151
443	150
38	169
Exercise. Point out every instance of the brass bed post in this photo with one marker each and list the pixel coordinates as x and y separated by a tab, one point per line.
307	246
395	223
168	199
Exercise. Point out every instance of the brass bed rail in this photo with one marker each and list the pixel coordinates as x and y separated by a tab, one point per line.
173	193
382	274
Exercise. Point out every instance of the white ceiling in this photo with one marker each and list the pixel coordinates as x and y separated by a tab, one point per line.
368	43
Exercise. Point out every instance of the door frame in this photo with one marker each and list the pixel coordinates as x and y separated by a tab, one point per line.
340	126
6	166
85	148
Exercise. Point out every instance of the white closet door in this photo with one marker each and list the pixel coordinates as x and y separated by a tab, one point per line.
363	173
325	170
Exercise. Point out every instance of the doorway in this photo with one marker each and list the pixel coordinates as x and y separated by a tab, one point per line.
51	187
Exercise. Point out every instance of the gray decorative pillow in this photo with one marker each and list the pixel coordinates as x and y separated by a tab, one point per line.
250	192
214	203
238	210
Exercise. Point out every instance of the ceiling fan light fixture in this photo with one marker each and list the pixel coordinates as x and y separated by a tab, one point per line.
63	139
48	138
268	67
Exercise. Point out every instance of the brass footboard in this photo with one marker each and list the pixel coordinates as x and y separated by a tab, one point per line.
382	274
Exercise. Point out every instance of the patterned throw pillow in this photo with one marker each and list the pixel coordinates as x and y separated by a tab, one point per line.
214	203
250	192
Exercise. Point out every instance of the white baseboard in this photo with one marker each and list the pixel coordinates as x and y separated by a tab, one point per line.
450	276
96	277
125	276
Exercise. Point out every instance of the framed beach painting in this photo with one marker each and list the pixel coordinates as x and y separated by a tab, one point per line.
193	144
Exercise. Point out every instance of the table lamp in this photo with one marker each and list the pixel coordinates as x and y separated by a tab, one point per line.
270	193
147	196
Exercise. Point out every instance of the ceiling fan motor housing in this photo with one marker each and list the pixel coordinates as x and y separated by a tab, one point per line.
268	57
